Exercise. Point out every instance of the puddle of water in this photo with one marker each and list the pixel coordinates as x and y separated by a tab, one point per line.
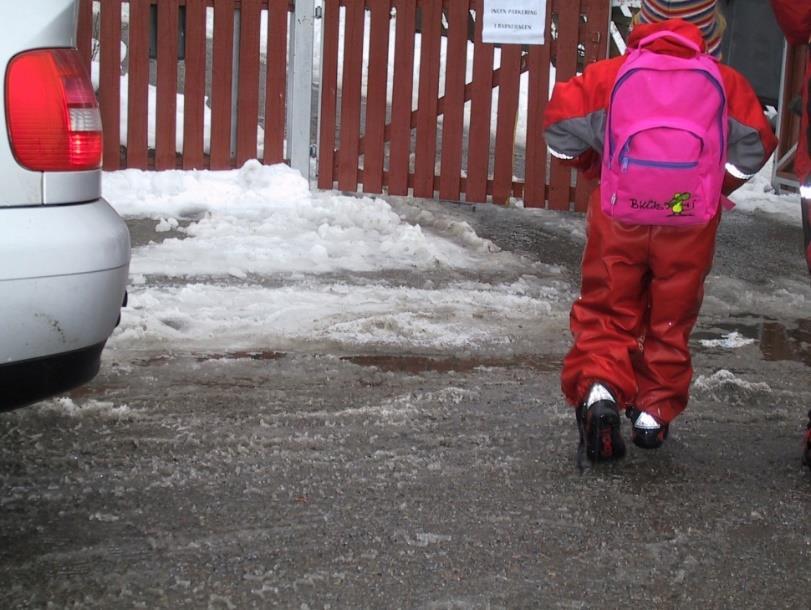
240	356
424	364
778	341
150	360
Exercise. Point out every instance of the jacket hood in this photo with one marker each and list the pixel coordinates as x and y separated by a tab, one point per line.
664	45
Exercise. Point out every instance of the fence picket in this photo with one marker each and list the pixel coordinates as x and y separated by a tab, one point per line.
329	95
166	119
453	107
84	31
568	12
110	82
373	145
481	99
276	83
595	42
399	162
221	81
505	123
194	87
248	92
349	151
425	148
137	85
537	97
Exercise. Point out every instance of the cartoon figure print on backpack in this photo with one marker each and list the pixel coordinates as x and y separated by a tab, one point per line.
670	131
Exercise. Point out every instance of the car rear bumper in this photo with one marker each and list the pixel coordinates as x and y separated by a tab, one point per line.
51	240
63	273
32	380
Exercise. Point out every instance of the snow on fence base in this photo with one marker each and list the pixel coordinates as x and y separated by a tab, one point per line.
412	101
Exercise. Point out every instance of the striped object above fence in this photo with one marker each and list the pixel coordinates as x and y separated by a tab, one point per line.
446	125
234	126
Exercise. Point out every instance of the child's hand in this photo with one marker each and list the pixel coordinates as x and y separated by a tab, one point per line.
731	184
588	163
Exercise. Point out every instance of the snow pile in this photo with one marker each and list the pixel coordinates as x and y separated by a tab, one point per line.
758	196
783	295
728	341
195	316
190	194
262	220
101	408
103	517
725	386
311	268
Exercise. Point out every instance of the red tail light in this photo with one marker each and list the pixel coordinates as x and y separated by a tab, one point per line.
52	114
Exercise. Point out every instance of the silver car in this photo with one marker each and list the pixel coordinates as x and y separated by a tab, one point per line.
64	252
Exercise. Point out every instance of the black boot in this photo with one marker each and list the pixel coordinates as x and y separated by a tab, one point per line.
647	431
599	423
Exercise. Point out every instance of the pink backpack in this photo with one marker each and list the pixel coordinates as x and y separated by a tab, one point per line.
666	138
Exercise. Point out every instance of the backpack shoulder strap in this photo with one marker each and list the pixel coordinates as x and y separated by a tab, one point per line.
671	36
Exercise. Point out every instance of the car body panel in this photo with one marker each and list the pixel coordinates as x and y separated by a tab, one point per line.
58	240
70	187
58	314
63	275
64	252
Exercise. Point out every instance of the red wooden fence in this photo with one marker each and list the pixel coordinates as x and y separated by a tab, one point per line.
376	153
221	154
789	125
371	138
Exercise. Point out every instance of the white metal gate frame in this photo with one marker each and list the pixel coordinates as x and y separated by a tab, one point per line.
300	86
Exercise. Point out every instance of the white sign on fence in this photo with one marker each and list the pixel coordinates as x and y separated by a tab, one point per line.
514	21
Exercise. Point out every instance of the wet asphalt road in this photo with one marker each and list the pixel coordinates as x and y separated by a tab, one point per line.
326	478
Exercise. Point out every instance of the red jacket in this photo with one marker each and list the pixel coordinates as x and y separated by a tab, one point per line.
574	120
794	17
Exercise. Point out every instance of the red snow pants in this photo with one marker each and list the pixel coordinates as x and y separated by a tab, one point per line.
641	290
803	161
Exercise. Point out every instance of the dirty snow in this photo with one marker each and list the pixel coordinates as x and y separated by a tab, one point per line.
262	252
263	220
728	341
724	379
101	408
728	294
272	264
758	197
196	316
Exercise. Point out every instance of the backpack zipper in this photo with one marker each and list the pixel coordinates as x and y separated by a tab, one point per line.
626	161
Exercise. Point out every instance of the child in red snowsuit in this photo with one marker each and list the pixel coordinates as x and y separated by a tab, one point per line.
642	285
795	20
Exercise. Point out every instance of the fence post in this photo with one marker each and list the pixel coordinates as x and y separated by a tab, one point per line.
300	81
235	83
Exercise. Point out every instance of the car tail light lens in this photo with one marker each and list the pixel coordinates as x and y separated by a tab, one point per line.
52	113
